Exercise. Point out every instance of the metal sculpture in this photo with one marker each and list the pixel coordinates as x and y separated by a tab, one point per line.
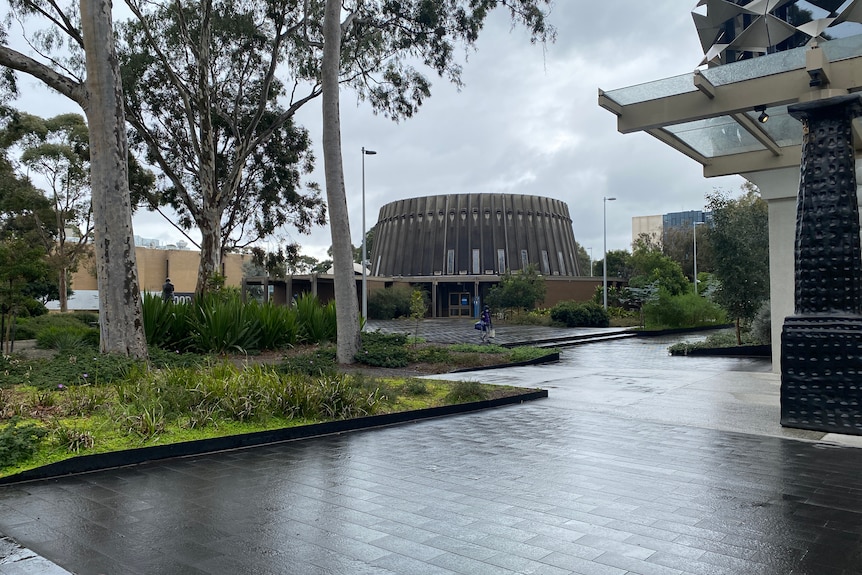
731	31
821	344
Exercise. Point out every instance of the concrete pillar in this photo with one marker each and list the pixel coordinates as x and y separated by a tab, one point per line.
779	188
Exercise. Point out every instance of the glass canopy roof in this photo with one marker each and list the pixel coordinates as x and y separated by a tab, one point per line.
713	113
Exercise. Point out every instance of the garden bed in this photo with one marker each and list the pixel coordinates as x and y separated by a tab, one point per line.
69	413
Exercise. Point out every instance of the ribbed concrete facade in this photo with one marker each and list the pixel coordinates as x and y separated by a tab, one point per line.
474	234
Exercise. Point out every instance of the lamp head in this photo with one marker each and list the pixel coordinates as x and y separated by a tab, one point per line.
368	152
763	117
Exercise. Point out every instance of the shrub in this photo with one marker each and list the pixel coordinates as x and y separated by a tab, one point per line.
463	391
432	354
220	324
67	339
580	314
317	323
761	325
18	443
320	361
383	350
390	303
533	317
415	386
67	370
32	327
279	326
686	310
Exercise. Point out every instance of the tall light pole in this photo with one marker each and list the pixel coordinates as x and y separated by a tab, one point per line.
364	255
605	260
591	261
694	229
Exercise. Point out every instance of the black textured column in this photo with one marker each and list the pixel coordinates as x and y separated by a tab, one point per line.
821	344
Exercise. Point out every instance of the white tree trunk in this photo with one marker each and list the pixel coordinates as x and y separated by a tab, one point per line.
120	314
211	250
347	309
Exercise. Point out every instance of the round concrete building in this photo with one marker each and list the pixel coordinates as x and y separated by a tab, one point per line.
474	234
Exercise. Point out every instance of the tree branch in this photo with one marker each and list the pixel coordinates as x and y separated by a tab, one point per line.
66	86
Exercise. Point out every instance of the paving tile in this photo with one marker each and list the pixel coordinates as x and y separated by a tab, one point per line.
632	466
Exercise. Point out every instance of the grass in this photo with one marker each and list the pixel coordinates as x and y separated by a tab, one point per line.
88	404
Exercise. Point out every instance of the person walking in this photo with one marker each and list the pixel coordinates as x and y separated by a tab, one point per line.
168	290
487	326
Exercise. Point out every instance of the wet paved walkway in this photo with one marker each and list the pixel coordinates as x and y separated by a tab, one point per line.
637	464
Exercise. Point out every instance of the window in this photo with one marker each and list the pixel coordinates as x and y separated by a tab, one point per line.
450	262
476	269
546	265
501	261
525	261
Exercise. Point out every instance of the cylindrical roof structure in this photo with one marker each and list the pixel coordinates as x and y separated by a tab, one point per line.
474	234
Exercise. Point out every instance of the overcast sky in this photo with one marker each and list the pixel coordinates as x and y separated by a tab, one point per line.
527	121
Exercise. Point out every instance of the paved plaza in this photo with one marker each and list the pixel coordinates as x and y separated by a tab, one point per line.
636	464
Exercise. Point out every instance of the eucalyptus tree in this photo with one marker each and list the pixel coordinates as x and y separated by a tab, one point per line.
57	150
207	108
372	46
86	71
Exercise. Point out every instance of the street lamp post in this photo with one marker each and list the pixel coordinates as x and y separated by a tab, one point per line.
694	229
605	260
364	255
591	261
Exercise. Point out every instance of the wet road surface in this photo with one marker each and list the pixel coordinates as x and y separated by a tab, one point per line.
635	464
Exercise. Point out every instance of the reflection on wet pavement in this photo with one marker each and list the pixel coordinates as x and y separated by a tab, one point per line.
632	466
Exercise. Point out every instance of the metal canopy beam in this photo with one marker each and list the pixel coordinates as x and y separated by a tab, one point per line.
818	79
752	162
774	90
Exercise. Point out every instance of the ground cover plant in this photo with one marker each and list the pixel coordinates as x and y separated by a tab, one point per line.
67	399
720	339
142	405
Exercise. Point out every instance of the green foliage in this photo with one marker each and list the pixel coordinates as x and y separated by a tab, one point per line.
320	361
83	400
615	296
390	303
317	323
619	265
22	265
580	314
415	386
222	325
68	339
761	326
383	350
740	245
476	348
219	322
540	316
431	354
30	327
651	266
279	325
528	353
418	309
70	438
635	298
523	289
18	443
464	391
687	310
714	340
67	370
164	321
